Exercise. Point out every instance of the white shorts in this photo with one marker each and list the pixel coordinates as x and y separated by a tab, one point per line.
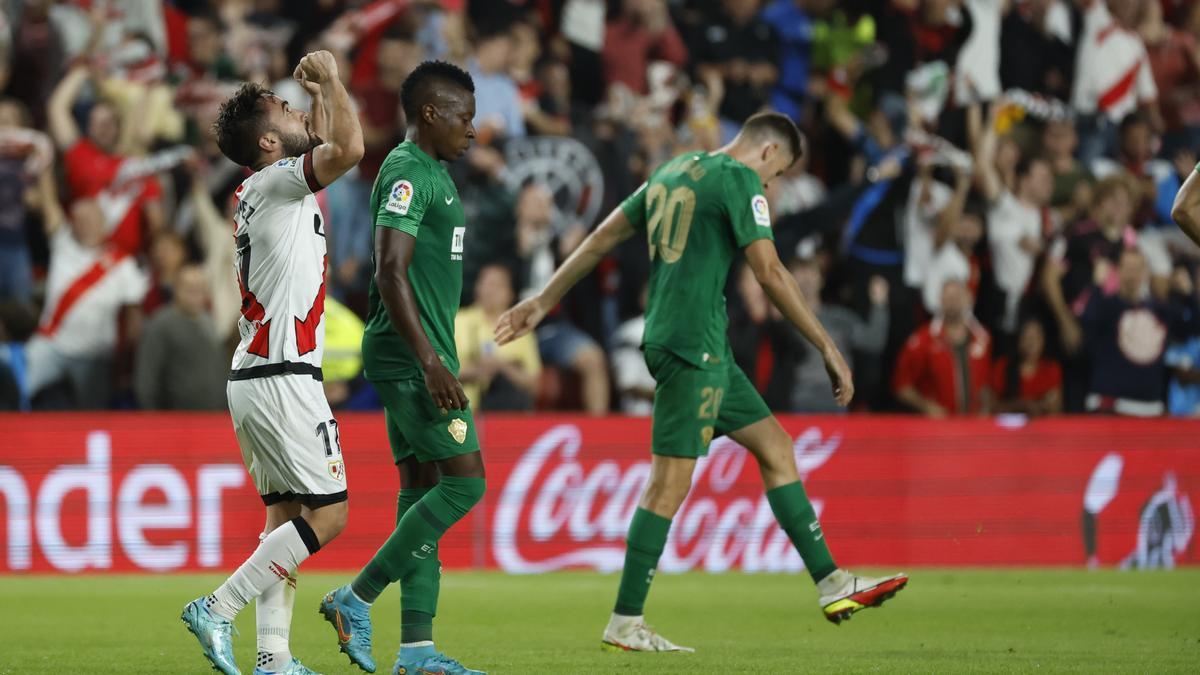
289	439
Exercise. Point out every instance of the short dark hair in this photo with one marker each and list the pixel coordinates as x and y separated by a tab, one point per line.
1026	163
778	125
422	82
240	122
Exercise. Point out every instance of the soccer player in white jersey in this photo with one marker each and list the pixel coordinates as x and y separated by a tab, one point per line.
287	433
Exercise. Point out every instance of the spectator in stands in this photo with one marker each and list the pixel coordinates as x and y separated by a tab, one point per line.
341	365
1113	76
955	259
133	210
1037	53
495	378
1067	278
92	286
930	218
219	256
560	343
1127	336
635	384
945	367
168	255
641	32
26	158
1072	180
1028	382
742	49
162	379
1016	220
851	334
498	111
1175	61
793	24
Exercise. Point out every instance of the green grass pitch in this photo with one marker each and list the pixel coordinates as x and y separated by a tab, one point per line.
945	621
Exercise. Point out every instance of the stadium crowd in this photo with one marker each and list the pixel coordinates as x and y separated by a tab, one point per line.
982	220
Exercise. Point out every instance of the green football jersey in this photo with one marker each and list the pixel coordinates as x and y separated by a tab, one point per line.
697	212
413	193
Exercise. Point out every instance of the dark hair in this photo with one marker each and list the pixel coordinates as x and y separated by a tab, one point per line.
240	122
422	82
1130	121
778	125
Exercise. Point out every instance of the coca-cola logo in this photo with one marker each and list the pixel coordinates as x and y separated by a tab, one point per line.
557	511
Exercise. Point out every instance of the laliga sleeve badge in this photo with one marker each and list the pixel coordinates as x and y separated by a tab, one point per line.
758	206
400	197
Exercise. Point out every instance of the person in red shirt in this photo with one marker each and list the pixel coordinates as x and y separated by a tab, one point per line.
945	366
1029	383
132	207
642	31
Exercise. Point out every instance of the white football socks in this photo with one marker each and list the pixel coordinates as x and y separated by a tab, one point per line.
275	559
273	616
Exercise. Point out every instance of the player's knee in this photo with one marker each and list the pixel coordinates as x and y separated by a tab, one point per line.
665	496
776	461
328	521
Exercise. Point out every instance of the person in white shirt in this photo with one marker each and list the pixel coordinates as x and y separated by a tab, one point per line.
1016	218
953	260
90	285
1112	73
933	209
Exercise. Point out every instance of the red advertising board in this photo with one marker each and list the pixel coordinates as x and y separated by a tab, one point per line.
129	492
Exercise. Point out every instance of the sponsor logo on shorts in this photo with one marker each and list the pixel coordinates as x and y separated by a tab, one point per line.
458	431
337	469
706	435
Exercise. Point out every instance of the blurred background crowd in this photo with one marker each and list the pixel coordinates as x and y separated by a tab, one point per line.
982	221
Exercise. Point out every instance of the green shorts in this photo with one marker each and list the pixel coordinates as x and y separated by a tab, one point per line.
692	405
416	426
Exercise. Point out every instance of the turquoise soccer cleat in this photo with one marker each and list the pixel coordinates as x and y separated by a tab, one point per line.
429	661
351	618
214	633
293	668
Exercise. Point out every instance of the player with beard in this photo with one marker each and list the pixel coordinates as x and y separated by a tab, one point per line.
288	435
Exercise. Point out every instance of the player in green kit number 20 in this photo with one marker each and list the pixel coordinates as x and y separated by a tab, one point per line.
697	212
410	358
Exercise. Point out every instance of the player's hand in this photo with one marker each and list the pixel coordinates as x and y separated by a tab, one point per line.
317	67
519	320
444	388
839	375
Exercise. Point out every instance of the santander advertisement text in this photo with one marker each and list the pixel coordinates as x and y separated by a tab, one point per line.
163	493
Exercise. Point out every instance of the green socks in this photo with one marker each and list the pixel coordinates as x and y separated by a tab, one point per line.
644	546
419	591
413	545
797	518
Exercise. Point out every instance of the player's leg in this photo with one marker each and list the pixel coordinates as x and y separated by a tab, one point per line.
278	422
273	608
410	553
418	591
753	426
685	409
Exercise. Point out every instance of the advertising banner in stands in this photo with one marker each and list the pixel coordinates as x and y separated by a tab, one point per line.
141	492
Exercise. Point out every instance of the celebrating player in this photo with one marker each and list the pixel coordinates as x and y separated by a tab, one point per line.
288	435
696	212
410	357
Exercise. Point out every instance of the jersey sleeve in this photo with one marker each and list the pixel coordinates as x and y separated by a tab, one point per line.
405	192
746	206
290	179
634	208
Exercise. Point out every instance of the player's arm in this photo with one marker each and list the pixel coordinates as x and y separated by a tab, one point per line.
1186	210
342	145
393	253
63	128
526	315
783	291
